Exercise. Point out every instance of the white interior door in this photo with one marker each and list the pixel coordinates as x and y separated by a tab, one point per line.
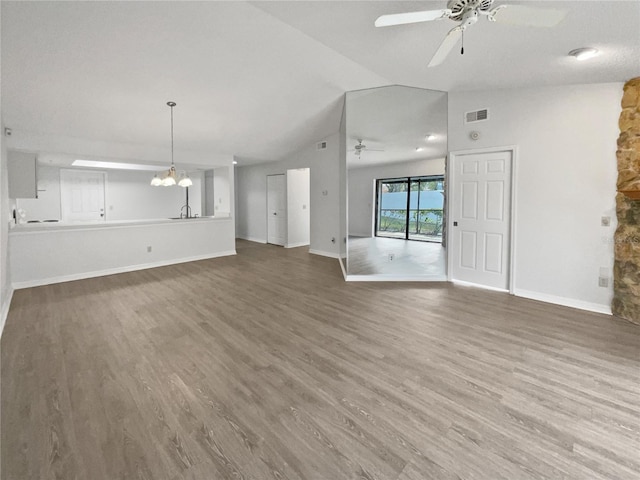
480	232
276	209
82	196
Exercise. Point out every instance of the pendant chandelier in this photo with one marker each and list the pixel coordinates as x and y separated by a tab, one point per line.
169	178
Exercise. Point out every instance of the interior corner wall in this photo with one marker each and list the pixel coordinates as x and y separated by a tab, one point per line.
251	210
565	182
362	195
5	219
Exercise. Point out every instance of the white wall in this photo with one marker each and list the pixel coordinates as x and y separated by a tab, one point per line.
298	218
324	200
566	181
221	191
54	254
362	194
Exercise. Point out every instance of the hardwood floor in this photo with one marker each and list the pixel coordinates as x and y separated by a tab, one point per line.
370	256
268	366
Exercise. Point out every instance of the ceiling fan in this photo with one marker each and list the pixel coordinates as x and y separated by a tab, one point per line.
361	147
468	12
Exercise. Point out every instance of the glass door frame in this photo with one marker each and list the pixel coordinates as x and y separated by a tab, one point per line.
408	181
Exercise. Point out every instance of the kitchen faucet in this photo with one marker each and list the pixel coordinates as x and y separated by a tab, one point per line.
188	211
188	214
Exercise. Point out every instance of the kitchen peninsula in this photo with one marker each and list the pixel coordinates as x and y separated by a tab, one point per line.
50	253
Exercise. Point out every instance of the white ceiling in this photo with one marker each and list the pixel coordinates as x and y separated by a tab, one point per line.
261	80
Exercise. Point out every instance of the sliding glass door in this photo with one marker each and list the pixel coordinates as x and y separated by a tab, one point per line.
410	208
391	217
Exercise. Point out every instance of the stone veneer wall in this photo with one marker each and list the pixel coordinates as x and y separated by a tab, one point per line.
626	270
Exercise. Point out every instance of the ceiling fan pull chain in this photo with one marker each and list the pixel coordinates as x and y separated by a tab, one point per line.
462	49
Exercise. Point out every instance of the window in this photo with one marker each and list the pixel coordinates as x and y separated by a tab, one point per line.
410	208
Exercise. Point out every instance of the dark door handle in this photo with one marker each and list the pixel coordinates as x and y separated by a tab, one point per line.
455	224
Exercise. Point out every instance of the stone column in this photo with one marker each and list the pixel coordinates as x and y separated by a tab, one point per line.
626	270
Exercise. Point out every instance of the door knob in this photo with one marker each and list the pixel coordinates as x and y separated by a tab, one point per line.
274	213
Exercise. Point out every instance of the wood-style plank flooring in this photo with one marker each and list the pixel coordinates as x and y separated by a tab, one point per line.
267	365
370	256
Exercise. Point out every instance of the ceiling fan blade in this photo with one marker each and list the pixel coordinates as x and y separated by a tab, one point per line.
411	17
529	16
446	46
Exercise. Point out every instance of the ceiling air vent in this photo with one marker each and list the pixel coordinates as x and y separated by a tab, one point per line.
321	146
476	116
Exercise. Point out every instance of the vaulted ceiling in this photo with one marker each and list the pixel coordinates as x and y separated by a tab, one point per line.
260	80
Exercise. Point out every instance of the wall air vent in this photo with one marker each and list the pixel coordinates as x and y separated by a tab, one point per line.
321	146
476	116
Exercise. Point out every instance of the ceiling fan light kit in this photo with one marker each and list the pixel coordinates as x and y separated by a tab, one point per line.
468	12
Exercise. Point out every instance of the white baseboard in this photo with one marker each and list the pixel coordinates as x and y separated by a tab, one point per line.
361	235
296	245
477	285
252	239
113	271
566	302
4	312
396	278
343	268
324	254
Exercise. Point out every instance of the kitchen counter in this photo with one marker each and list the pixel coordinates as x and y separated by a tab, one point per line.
44	253
26	228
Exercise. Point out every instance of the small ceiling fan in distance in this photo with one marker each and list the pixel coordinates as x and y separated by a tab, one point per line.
361	147
468	12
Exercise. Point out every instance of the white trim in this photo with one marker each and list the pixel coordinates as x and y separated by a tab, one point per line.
513	149
323	253
5	310
113	271
296	245
343	268
566	302
396	278
251	239
361	235
478	285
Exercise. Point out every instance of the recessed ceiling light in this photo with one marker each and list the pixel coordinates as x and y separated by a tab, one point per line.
418	149
429	137
235	163
583	53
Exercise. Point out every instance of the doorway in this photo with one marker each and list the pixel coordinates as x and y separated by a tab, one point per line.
410	208
480	226
82	196
276	209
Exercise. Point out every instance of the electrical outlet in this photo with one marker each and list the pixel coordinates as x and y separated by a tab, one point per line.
603	282
149	249
391	257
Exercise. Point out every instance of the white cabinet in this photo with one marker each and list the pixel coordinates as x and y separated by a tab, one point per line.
23	175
